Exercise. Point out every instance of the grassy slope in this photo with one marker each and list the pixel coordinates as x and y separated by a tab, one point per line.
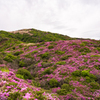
34	36
70	69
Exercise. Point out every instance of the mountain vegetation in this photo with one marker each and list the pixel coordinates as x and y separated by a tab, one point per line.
38	65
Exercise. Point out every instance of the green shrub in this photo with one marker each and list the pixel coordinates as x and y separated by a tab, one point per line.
45	84
13	48
62	92
65	89
20	76
64	74
93	77
21	64
15	96
96	60
54	66
45	55
53	43
53	83
59	52
61	62
82	67
97	67
62	81
88	79
25	73
98	78
1	60
20	46
46	64
9	58
85	60
85	42
65	57
3	53
12	83
39	95
98	48
82	44
85	73
76	73
74	43
94	85
38	45
66	86
47	71
18	53
81	50
95	55
33	52
86	50
37	84
50	47
83	53
97	98
4	69
29	56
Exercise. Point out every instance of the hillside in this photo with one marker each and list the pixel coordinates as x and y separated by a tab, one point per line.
34	36
37	65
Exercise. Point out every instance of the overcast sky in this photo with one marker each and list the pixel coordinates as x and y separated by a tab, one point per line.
75	18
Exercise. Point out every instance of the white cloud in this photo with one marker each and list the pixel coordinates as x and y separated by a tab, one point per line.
75	18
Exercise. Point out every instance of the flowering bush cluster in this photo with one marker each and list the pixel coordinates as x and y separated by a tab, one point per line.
13	88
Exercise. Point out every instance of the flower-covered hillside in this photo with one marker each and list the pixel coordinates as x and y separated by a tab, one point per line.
13	88
65	70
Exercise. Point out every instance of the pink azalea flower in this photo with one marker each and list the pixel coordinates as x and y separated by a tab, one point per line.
27	96
4	82
39	65
23	89
8	87
7	51
1	65
7	94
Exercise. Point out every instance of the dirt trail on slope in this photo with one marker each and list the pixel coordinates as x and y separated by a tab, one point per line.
22	31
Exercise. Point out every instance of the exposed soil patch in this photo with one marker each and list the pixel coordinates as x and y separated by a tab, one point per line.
22	31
